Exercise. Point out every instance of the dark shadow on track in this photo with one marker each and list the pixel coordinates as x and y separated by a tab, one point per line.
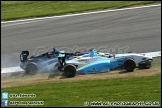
122	72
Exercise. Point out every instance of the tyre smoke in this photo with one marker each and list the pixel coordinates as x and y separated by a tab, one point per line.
10	60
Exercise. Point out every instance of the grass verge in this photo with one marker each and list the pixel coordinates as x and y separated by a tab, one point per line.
77	92
145	89
11	10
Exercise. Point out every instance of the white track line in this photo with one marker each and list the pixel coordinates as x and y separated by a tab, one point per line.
11	69
79	14
152	54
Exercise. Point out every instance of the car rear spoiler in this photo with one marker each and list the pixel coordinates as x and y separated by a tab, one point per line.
23	56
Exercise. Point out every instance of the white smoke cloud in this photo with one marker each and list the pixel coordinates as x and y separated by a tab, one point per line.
10	60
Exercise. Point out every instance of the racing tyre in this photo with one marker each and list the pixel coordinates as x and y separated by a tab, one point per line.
31	69
129	65
70	70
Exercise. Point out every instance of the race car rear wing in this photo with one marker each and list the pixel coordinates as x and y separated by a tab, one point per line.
23	56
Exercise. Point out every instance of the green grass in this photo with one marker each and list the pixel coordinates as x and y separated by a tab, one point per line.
156	63
29	9
75	93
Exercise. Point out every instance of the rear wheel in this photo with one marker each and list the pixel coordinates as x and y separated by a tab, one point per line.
129	65
31	69
70	70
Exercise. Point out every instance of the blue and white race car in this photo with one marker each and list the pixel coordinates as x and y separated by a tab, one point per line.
82	62
93	63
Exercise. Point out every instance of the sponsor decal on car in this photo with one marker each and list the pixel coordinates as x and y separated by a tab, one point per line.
84	60
79	58
80	72
94	70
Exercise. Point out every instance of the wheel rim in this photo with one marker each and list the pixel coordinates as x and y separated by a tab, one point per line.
129	65
69	71
32	69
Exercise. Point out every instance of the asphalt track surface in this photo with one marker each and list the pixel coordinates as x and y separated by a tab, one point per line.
137	30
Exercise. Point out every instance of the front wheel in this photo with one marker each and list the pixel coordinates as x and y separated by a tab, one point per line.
70	70
129	65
